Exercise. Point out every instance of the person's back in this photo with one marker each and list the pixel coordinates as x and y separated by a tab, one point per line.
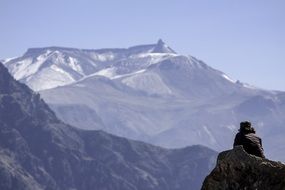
251	143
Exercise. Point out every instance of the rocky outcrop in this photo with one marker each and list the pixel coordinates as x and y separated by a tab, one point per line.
237	170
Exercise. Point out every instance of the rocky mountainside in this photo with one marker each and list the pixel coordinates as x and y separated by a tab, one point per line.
38	151
151	93
237	170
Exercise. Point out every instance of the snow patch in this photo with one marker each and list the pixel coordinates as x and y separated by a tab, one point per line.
25	68
4	61
249	86
73	63
154	57
147	82
129	74
109	73
212	139
103	57
228	78
48	78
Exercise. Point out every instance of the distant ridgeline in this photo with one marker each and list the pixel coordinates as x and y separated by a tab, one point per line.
237	170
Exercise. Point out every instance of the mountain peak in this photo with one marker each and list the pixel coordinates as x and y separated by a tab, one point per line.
161	47
160	41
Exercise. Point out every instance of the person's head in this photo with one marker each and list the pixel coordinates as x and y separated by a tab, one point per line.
245	127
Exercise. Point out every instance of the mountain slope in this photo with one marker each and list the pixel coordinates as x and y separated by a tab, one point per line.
152	93
38	151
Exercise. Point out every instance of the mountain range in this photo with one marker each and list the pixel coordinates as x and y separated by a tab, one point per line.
40	152
153	94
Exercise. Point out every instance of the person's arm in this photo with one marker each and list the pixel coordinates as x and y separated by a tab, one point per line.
237	140
261	148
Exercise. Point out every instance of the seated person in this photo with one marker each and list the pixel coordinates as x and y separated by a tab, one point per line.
246	137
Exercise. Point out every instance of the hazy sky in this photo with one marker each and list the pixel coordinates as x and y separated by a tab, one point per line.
243	38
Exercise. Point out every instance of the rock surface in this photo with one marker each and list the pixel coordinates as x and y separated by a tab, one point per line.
237	170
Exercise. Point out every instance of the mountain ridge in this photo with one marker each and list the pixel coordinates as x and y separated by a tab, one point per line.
156	47
38	151
167	99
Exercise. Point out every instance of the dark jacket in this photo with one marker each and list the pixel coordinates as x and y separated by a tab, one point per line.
251	143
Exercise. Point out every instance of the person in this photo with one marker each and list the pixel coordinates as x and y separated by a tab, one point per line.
246	137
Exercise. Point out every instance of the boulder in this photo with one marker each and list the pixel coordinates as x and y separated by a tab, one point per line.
238	170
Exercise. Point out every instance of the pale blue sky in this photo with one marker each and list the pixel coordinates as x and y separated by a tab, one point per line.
243	38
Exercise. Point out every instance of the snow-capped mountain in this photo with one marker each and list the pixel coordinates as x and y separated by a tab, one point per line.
45	68
151	93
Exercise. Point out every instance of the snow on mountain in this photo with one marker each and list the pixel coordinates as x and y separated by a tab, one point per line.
148	82
151	93
46	68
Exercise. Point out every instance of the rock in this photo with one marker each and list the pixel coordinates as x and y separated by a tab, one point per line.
237	170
